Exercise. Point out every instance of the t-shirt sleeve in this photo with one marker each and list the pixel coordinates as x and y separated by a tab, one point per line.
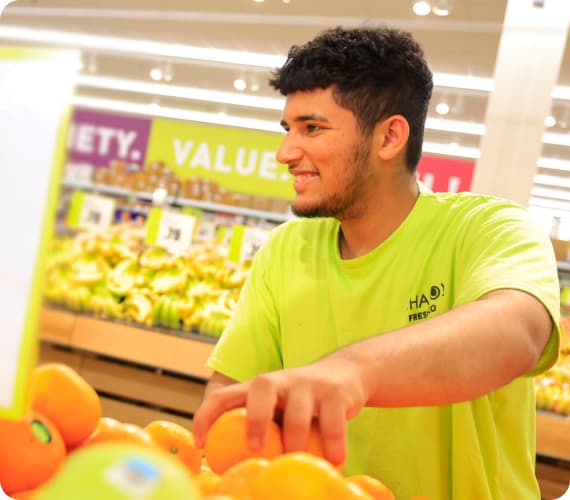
250	343
505	248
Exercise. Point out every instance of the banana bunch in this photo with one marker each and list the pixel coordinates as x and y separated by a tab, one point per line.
233	278
54	292
77	298
214	318
167	311
103	303
170	280
139	308
106	306
123	277
89	270
156	258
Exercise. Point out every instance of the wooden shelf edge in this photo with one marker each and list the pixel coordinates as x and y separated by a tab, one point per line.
553	435
56	326
160	350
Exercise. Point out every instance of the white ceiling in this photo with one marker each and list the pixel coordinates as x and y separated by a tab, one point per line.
463	43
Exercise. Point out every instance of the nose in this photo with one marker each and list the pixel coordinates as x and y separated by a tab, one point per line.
289	151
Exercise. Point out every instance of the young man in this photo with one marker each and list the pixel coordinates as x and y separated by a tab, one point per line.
408	324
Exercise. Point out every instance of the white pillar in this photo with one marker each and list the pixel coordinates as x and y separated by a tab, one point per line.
526	71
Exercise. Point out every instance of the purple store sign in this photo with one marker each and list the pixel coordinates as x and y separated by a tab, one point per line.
99	138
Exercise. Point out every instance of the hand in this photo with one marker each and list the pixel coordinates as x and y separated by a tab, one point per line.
330	390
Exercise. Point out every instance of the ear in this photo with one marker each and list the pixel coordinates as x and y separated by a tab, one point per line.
391	136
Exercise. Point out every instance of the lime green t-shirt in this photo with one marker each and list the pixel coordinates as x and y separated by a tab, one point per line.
303	301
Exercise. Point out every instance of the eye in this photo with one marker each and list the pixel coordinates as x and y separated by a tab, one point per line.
312	127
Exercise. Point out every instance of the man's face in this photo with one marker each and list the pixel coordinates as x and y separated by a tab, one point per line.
326	154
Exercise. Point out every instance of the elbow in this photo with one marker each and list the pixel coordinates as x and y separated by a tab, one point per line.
535	341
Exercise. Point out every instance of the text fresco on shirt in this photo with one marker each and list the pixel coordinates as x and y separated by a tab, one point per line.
422	305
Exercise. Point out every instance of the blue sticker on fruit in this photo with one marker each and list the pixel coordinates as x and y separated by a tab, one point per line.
134	476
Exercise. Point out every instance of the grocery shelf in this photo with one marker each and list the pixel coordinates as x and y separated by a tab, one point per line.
173	200
184	354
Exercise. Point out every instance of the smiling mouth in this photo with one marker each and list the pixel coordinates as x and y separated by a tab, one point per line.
304	177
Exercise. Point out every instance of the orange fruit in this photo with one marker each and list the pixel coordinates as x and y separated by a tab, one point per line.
110	429
315	443
353	492
65	397
237	480
301	476
31	452
226	441
375	488
26	494
176	440
207	481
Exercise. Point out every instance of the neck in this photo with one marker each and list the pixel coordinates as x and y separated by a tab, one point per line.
380	216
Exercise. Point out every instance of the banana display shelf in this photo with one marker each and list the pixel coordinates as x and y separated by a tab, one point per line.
115	277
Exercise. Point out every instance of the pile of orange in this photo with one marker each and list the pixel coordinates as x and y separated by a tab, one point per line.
241	473
66	416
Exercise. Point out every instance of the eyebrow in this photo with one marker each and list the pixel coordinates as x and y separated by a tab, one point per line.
306	118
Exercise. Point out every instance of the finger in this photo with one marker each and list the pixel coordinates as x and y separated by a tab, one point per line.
332	422
261	401
297	419
216	403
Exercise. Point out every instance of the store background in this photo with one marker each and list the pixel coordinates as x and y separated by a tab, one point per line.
185	60
203	66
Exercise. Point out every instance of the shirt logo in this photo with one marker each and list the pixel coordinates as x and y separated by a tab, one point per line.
424	304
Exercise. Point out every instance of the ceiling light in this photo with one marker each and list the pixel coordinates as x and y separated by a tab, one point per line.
554	164
562	93
470	128
421	8
239	84
146	48
543	192
176	113
556	139
156	74
142	47
464	82
258	1
275	103
440	12
552	180
548	203
441	8
254	87
446	150
550	121
442	108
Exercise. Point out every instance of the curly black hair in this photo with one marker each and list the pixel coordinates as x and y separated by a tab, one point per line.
375	73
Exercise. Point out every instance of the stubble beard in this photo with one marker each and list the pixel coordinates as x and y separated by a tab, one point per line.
343	204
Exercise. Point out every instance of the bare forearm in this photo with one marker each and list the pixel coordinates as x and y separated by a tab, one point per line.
457	356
